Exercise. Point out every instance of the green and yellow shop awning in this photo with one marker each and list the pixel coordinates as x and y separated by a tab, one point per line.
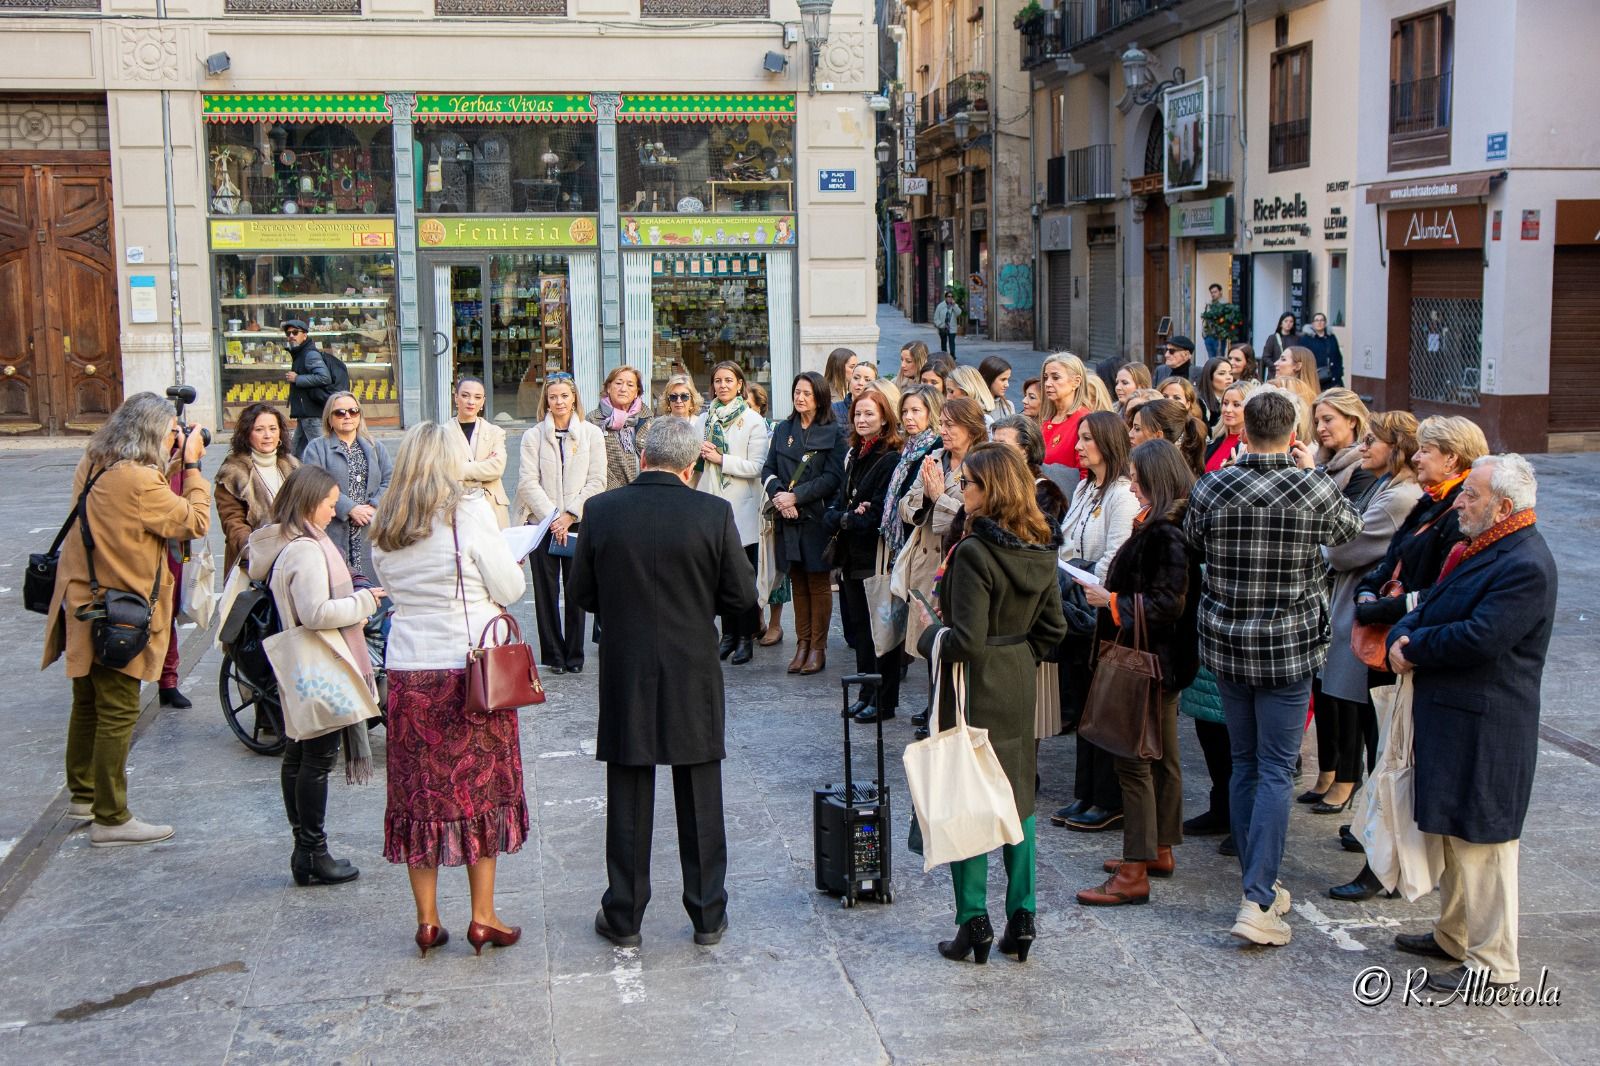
304	107
717	107
504	107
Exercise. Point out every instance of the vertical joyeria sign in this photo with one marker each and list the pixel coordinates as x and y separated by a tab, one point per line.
1187	135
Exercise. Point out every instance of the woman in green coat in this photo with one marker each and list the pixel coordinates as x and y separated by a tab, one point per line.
999	603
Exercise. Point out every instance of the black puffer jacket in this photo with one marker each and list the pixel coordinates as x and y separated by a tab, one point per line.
1156	562
1419	548
866	480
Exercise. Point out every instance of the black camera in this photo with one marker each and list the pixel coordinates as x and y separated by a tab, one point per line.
181	396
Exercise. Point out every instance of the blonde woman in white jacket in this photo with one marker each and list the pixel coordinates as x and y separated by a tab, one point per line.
485	445
731	457
563	467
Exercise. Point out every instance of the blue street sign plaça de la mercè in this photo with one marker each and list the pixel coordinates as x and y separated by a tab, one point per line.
836	181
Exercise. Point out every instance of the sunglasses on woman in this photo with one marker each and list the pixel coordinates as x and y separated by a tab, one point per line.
346	412
678	397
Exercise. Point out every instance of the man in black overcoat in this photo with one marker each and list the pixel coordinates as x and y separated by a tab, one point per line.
1476	648
657	563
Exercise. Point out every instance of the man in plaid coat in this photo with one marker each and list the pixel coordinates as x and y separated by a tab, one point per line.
1261	524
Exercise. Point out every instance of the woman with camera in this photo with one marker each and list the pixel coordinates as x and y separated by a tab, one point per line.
313	587
130	512
999	615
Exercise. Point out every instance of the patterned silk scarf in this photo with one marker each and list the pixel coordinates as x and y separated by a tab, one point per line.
718	418
1466	549
912	453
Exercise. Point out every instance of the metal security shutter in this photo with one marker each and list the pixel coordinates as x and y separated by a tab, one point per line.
1103	300
1446	326
1574	326
1059	310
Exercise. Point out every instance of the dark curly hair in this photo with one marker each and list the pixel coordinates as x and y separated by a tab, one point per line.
240	445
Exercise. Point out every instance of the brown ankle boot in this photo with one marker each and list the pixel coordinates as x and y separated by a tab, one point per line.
1130	884
816	661
801	648
1163	865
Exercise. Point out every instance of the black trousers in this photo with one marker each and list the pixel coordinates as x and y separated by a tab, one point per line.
1096	780
947	341
749	623
306	764
560	624
1218	750
1342	734
855	609
702	843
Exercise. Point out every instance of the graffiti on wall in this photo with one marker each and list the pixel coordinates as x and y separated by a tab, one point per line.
1016	287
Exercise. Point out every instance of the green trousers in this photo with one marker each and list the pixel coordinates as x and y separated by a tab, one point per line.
105	708
971	878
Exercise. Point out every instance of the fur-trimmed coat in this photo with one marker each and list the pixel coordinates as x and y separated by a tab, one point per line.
1155	562
243	503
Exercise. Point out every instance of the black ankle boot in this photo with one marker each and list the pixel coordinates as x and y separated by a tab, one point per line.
975	935
171	697
318	867
1365	886
725	648
1018	939
743	651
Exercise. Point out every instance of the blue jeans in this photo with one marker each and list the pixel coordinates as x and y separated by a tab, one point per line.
1265	727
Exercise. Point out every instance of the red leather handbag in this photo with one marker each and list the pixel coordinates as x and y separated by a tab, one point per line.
500	676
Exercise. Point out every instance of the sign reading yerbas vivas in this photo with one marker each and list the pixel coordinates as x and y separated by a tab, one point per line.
1187	133
503	106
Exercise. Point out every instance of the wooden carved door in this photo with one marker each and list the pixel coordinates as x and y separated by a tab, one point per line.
60	363
1157	281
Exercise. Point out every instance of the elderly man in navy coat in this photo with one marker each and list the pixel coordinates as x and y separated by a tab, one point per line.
657	563
1476	648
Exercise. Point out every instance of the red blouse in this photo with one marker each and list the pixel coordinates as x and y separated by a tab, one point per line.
1224	449
1061	439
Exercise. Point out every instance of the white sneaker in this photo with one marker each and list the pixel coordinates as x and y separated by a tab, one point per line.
1280	902
127	834
1261	926
80	812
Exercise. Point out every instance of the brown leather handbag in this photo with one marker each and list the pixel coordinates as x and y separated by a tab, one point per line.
1122	713
500	676
1370	640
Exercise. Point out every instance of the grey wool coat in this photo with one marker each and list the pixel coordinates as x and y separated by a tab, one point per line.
321	452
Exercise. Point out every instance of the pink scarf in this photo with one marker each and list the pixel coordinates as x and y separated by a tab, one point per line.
340	585
618	418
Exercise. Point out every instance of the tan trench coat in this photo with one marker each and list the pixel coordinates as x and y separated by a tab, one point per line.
133	512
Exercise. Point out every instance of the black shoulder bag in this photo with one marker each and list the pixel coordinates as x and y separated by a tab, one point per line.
39	582
119	621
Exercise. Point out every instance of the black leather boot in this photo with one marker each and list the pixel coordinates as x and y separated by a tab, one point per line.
975	936
743	651
1019	935
318	867
171	697
725	648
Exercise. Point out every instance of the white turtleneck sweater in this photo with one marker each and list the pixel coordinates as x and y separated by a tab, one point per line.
267	469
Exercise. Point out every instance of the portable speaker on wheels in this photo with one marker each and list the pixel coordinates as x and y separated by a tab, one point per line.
851	823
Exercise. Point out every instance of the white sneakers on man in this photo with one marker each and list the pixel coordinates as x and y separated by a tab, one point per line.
80	812
1265	927
127	834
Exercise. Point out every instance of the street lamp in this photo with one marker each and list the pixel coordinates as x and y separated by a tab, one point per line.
815	16
1139	76
883	152
962	124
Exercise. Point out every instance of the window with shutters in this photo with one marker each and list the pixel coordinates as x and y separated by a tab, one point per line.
1421	64
1289	114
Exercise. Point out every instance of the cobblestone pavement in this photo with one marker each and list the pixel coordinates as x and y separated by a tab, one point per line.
201	950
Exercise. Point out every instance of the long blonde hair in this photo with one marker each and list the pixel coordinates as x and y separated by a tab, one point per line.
426	483
1346	404
1080	398
1100	398
541	410
969	381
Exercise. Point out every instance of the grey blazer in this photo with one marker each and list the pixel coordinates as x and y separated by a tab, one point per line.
321	452
1344	676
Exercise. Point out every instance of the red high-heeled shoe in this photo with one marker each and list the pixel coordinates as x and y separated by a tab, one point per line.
431	936
479	935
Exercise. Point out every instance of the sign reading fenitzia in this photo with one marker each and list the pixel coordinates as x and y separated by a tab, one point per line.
1188	134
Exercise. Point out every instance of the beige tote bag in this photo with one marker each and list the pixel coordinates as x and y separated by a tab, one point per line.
1400	854
960	792
319	689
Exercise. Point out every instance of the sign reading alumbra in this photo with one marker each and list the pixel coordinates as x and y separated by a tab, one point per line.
1456	226
1184	166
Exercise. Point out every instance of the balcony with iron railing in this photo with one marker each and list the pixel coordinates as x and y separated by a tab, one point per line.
1090	173
1219	149
1419	122
932	110
967	92
1086	20
1289	144
1043	39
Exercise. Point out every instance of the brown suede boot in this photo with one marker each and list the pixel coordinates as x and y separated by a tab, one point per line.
821	613
1163	866
816	661
1130	884
801	648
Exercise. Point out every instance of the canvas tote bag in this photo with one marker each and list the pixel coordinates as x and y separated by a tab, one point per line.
1398	852
960	792
886	611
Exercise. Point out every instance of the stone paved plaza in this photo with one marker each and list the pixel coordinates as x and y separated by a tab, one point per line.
201	950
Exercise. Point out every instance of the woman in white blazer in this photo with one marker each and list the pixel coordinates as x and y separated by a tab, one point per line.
485	445
731	457
563	466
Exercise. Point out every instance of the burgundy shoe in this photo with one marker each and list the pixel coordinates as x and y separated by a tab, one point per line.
431	936
479	935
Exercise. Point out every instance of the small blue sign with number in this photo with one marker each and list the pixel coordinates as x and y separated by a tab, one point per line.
836	181
1496	148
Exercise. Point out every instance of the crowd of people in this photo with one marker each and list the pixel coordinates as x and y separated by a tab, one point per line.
1250	534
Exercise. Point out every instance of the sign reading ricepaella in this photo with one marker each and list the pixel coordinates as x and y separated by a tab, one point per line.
302	234
715	230
509	231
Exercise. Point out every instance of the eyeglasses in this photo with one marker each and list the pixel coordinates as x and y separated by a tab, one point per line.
1369	440
346	412
678	397
963	481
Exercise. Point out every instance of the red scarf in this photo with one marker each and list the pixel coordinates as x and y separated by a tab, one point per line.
1468	548
1445	488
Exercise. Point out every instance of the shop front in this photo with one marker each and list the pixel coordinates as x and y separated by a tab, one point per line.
1575	318
1203	232
301	204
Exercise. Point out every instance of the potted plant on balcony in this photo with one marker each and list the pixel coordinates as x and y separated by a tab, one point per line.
1029	18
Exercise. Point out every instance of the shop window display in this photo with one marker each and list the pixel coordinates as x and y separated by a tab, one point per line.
500	168
348	301
712	167
708	307
513	331
300	168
